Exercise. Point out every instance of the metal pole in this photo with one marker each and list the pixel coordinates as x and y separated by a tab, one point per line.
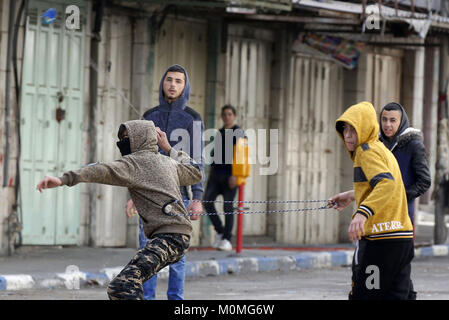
240	220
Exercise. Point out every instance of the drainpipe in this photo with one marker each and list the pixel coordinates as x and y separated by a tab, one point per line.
12	8
93	94
6	182
14	220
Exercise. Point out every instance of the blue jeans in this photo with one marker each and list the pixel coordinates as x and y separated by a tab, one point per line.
176	276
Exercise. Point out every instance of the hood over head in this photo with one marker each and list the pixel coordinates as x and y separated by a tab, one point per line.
405	124
363	118
181	102
142	135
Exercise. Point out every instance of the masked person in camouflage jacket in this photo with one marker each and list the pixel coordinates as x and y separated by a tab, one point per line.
153	180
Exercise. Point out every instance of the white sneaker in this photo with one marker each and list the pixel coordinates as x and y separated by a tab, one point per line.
218	238
225	245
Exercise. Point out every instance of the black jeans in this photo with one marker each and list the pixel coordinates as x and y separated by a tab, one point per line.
217	185
387	262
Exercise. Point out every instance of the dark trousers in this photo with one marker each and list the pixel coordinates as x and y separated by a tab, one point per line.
381	270
217	185
160	251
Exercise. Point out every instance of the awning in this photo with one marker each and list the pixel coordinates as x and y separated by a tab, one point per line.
374	13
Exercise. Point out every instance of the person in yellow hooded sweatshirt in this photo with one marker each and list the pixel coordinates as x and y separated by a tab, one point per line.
381	225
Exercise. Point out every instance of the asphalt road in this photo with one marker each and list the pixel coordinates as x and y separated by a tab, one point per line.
430	277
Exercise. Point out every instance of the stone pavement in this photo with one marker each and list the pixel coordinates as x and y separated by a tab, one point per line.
58	267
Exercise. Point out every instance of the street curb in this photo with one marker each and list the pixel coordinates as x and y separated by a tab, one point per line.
196	269
432	251
16	282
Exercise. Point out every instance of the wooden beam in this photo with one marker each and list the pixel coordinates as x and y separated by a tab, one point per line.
299	19
285	5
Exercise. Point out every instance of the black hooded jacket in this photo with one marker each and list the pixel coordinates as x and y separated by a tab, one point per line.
408	148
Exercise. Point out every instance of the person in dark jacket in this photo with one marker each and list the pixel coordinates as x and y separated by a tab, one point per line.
406	144
221	181
184	129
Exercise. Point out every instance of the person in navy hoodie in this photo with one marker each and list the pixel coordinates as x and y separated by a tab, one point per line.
406	144
184	129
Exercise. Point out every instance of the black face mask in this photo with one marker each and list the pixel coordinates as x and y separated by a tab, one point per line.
124	146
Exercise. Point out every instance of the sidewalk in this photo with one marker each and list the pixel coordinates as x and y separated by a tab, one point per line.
57	267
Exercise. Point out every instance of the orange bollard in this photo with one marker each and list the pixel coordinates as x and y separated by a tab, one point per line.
240	170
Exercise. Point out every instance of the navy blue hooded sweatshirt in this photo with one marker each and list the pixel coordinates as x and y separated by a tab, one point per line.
408	148
177	115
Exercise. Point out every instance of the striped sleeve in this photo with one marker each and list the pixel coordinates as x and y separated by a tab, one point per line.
366	211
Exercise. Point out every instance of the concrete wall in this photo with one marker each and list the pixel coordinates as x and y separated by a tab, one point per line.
307	96
131	62
114	89
383	82
281	70
413	86
248	72
315	101
430	115
4	192
215	98
183	41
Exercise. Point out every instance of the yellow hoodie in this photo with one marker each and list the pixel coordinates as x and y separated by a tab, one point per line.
378	188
